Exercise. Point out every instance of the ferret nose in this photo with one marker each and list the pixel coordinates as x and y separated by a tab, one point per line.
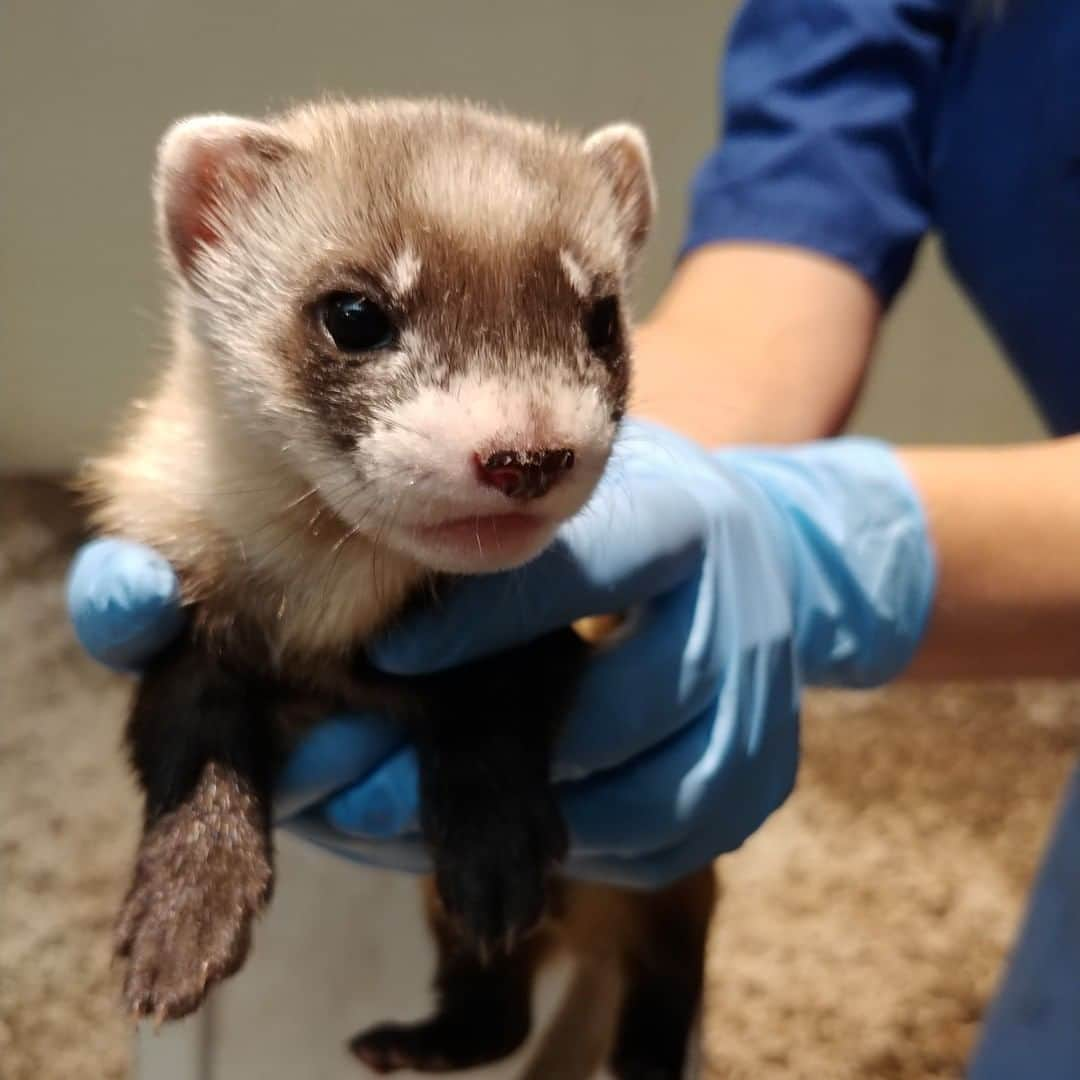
524	474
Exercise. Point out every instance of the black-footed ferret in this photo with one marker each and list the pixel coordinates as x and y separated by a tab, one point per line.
400	352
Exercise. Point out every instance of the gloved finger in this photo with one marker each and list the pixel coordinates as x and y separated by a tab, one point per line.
658	869
406	854
640	692
715	836
724	772
729	809
334	756
124	602
637	539
645	873
644	805
384	806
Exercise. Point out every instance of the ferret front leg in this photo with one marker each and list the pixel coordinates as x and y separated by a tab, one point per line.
201	745
487	805
492	826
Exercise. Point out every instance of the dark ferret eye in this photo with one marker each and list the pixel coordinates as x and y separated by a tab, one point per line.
602	325
356	323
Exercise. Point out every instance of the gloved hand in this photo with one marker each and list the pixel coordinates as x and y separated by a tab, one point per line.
755	572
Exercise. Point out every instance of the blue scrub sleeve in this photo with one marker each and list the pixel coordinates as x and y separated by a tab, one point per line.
829	109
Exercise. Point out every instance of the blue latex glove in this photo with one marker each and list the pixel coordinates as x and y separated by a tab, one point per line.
756	572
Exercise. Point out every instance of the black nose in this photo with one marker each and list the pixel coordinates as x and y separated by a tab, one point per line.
524	474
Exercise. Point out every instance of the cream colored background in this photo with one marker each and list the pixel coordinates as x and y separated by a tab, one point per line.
86	87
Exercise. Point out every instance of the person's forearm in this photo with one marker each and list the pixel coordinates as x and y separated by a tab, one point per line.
755	343
760	344
1005	524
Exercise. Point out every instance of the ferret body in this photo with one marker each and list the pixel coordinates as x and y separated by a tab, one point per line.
400	353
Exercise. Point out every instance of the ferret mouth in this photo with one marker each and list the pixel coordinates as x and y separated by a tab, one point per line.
479	543
486	534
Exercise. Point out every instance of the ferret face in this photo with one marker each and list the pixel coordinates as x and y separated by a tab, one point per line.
419	308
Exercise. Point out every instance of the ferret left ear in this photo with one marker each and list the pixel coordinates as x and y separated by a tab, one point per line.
209	166
622	152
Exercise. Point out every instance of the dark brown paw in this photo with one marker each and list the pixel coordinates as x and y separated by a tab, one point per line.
438	1045
388	1048
644	1070
492	870
202	874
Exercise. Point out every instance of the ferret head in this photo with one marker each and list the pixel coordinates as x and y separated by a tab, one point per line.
417	307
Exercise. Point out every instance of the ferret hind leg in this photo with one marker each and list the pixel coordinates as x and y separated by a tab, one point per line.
483	1009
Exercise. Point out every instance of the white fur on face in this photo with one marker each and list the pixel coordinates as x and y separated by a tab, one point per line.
576	274
404	272
417	467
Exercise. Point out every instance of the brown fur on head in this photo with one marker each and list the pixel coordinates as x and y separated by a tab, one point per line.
497	252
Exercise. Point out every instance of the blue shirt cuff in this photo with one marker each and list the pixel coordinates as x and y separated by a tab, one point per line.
790	213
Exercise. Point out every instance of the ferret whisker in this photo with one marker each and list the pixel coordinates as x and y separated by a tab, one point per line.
302	499
309	528
376	565
389	526
277	517
328	577
347	536
431	588
398	425
351	534
273	486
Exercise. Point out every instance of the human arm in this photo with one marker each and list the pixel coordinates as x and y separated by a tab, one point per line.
804	220
803	224
756	343
1005	522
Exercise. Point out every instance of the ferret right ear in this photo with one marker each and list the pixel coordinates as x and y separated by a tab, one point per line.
206	166
622	152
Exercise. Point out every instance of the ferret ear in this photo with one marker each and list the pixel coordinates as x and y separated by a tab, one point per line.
207	164
622	152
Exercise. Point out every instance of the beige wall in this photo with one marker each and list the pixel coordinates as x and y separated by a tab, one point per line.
86	87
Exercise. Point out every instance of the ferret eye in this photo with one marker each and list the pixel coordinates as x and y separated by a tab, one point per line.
356	323
602	325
